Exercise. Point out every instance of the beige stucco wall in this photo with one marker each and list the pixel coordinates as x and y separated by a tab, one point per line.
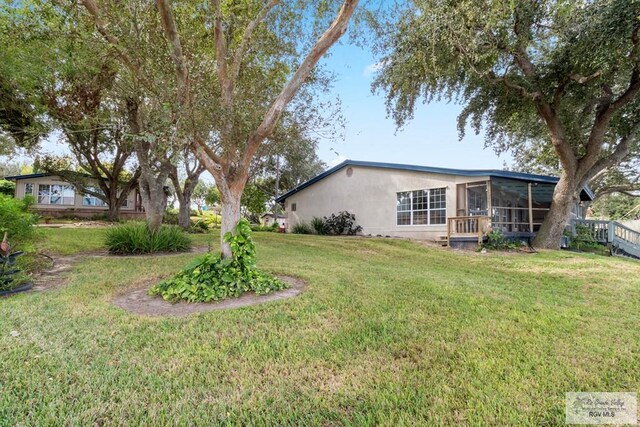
77	205
370	194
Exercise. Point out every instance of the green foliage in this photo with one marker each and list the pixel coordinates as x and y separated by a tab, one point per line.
7	188
213	196
171	216
16	220
10	275
302	228
135	237
254	200
616	207
319	226
342	223
496	240
269	228
584	239
200	226
211	278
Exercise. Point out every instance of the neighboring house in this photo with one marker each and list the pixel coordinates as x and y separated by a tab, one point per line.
56	197
428	203
269	219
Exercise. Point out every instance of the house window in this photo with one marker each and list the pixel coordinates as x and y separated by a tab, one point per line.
293	207
93	201
56	194
89	200
28	189
422	207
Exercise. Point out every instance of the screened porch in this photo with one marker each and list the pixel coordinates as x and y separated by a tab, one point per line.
515	207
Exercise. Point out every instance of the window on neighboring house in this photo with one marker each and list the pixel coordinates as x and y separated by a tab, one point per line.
28	189
293	207
422	207
90	200
54	194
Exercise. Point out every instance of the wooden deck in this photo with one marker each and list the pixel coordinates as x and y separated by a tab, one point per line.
468	227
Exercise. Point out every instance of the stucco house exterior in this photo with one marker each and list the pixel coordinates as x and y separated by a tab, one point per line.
428	203
55	197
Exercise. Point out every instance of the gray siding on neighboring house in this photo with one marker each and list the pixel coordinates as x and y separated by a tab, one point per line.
75	208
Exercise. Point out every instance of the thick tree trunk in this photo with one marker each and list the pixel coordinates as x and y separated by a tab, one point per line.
565	195
184	214
154	199
113	214
230	218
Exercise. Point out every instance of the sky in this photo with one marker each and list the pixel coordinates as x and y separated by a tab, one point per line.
430	139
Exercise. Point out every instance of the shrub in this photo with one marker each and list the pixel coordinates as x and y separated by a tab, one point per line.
496	240
171	216
269	228
302	228
16	220
342	223
319	225
211	278
135	237
199	227
8	188
584	239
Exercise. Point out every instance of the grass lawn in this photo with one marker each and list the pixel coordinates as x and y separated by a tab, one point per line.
388	332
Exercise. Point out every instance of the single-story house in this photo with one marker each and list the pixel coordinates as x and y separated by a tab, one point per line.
428	203
55	197
268	219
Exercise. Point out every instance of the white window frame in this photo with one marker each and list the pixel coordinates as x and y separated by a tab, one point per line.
45	199
28	185
425	194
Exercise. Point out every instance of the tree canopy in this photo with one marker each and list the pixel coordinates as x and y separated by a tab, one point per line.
553	78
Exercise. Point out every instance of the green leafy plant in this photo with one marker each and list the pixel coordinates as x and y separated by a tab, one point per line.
496	240
319	226
269	228
170	216
16	219
302	228
135	237
211	278
584	239
199	226
342	223
7	188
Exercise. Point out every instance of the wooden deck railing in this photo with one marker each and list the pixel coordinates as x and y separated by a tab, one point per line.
468	226
612	233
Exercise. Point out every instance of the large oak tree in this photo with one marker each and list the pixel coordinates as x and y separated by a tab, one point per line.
237	66
535	74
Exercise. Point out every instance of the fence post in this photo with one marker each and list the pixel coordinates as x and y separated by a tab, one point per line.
610	232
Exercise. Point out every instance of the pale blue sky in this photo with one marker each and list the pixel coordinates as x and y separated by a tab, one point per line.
430	139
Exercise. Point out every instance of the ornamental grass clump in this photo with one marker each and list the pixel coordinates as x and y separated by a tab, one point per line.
135	237
211	278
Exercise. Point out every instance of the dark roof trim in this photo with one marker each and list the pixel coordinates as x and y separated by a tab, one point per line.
31	175
42	175
464	172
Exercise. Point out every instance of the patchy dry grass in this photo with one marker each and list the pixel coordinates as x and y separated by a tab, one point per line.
388	332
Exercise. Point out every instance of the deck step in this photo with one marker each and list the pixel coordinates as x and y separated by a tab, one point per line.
443	240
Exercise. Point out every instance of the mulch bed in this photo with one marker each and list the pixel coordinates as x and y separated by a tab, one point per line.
136	300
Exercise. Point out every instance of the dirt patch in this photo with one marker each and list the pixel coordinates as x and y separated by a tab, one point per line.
56	275
136	300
